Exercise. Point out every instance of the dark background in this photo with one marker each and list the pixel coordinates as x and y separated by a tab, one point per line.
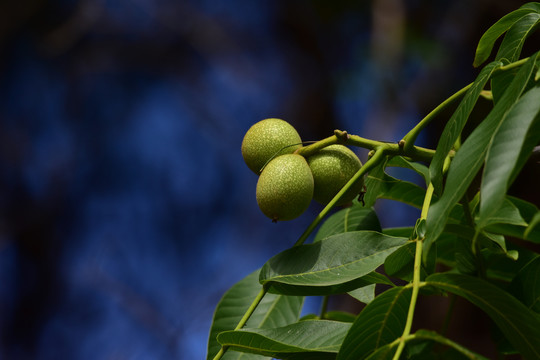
126	210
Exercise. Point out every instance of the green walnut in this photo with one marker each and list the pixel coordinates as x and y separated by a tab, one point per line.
285	187
332	167
265	139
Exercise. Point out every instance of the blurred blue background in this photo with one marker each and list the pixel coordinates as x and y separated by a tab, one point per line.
126	210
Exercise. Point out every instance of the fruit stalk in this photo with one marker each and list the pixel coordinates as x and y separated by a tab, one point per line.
414	152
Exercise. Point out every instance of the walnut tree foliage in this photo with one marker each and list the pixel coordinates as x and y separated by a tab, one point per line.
471	240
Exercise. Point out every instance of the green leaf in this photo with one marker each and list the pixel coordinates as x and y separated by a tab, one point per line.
485	45
379	323
504	152
497	239
420	169
493	245
500	82
534	6
354	218
501	267
532	225
519	232
400	263
390	188
512	43
526	285
526	209
385	352
364	294
309	339
340	316
273	311
520	325
470	157
506	213
374	183
346	259
319	290
405	232
529	212
447	245
455	125
531	140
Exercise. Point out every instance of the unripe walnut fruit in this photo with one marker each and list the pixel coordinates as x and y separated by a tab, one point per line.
285	187
265	139
332	167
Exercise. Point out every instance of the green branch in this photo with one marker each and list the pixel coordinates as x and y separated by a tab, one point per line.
409	139
416	153
244	319
433	336
416	274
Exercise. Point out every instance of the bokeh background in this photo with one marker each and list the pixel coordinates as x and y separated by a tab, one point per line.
126	210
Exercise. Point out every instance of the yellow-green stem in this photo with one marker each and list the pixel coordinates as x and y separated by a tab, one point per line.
244	319
416	276
428	335
512	65
416	153
410	137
